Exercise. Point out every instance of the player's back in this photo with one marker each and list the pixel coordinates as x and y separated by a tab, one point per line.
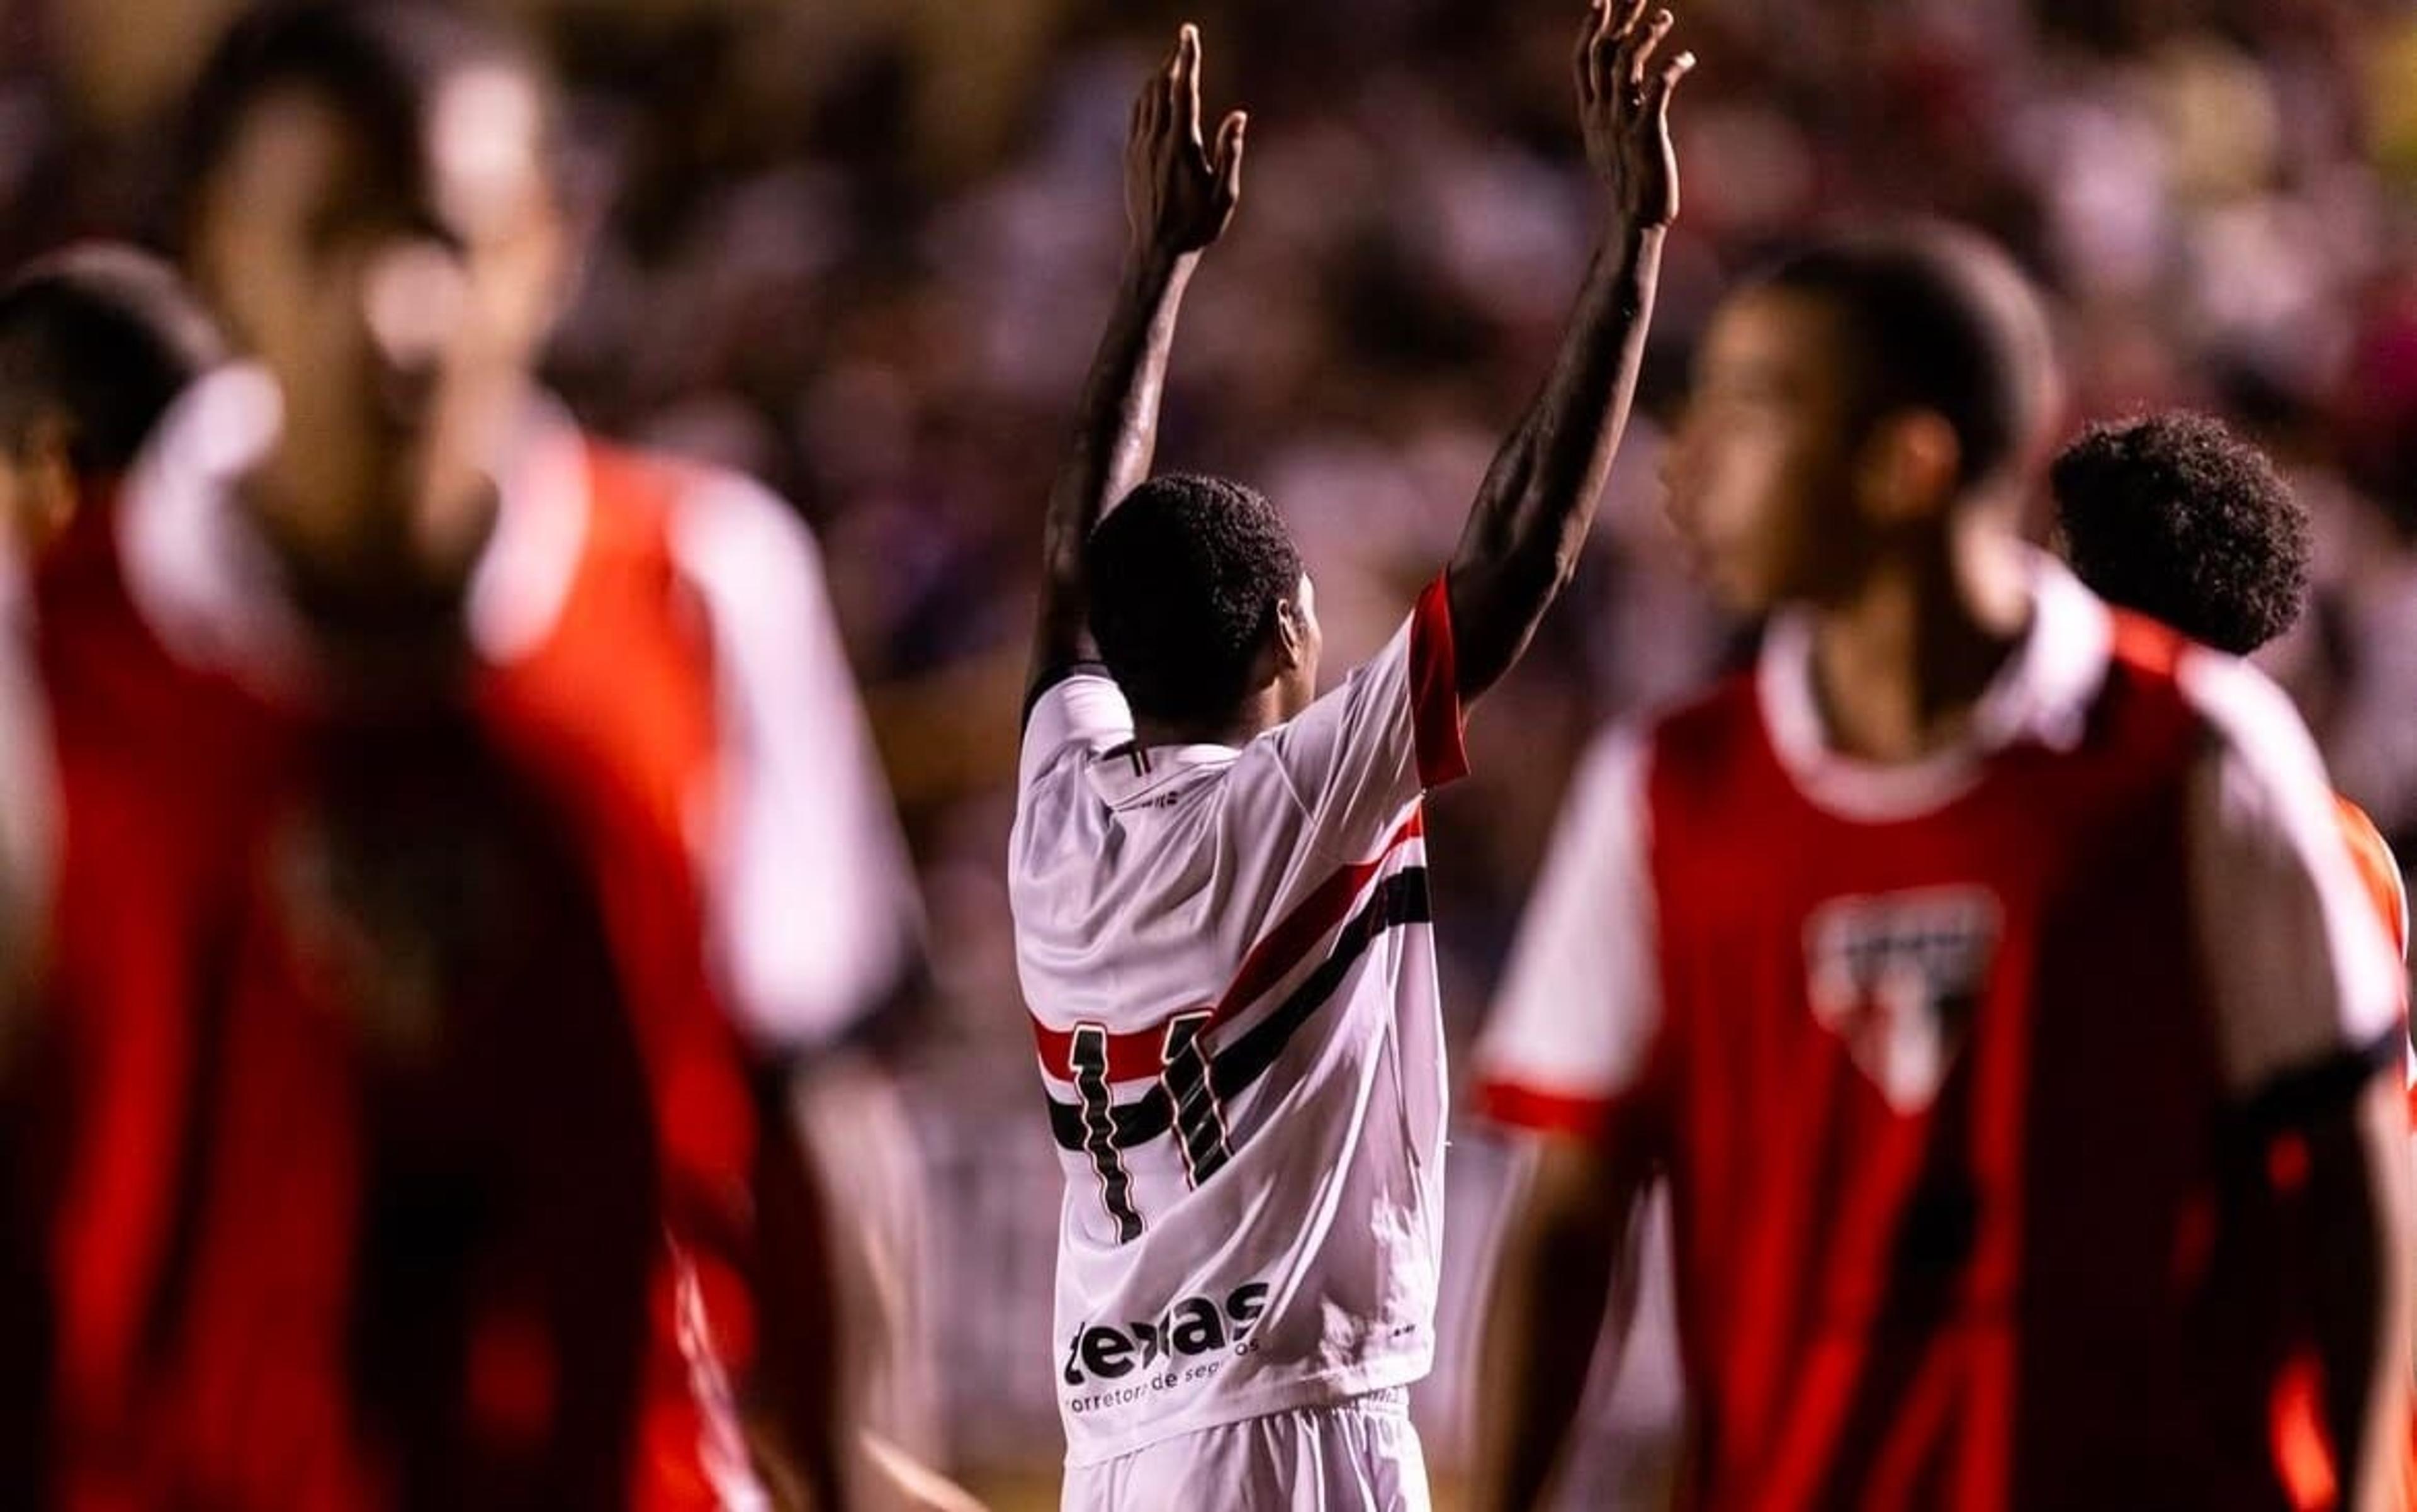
1227	956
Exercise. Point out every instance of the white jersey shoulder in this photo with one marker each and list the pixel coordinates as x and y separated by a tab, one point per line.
815	913
2297	959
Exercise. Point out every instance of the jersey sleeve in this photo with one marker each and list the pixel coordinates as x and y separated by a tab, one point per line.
2378	871
1580	1007
2296	957
814	913
1073	716
1358	757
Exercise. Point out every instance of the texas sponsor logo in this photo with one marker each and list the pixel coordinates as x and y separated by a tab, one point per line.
1897	977
1190	1341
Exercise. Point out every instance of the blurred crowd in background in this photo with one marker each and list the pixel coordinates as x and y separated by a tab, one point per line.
860	249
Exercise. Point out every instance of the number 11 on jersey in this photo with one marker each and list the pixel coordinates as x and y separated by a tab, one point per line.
1187	1085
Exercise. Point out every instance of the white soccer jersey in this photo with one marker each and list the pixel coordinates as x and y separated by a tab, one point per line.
1230	965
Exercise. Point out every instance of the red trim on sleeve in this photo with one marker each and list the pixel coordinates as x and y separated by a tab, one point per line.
1543	1112
1435	691
1142	1053
2378	870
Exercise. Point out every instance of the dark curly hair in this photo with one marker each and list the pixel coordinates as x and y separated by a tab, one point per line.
1185	574
104	336
2176	516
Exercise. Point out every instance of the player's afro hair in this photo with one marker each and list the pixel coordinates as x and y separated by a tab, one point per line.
2177	517
1185	574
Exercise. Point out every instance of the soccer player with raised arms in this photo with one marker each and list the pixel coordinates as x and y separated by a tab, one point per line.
1218	880
1954	967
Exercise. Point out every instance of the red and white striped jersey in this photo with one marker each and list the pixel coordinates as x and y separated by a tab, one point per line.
1228	961
657	795
1936	1058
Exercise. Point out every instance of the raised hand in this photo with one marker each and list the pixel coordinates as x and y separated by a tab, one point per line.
1624	106
1180	194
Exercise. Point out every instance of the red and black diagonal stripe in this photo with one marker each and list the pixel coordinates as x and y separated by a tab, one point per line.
1399	900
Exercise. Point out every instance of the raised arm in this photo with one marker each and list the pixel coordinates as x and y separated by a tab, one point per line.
1531	515
1179	196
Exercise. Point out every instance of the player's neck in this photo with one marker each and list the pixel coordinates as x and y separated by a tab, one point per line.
1252	717
328	519
1899	667
384	595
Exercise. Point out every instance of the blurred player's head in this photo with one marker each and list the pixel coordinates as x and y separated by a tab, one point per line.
370	204
2177	517
95	342
1860	399
1200	606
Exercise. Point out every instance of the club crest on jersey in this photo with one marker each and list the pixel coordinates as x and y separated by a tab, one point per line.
1898	976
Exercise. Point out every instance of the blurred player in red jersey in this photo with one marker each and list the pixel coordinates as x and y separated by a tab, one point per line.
457	819
1218	877
1953	968
2178	518
94	343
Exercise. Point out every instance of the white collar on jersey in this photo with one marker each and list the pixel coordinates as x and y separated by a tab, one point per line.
2042	695
1129	775
201	576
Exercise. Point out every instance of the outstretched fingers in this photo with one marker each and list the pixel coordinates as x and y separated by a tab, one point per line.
1654	91
1152	106
1619	25
1655	105
1582	54
1186	98
1636	59
1231	136
1668	81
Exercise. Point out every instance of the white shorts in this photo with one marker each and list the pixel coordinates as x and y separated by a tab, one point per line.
1359	1455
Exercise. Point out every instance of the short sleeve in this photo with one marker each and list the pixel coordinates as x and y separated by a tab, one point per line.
2297	959
1574	1027
1360	754
814	911
2378	871
1074	716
